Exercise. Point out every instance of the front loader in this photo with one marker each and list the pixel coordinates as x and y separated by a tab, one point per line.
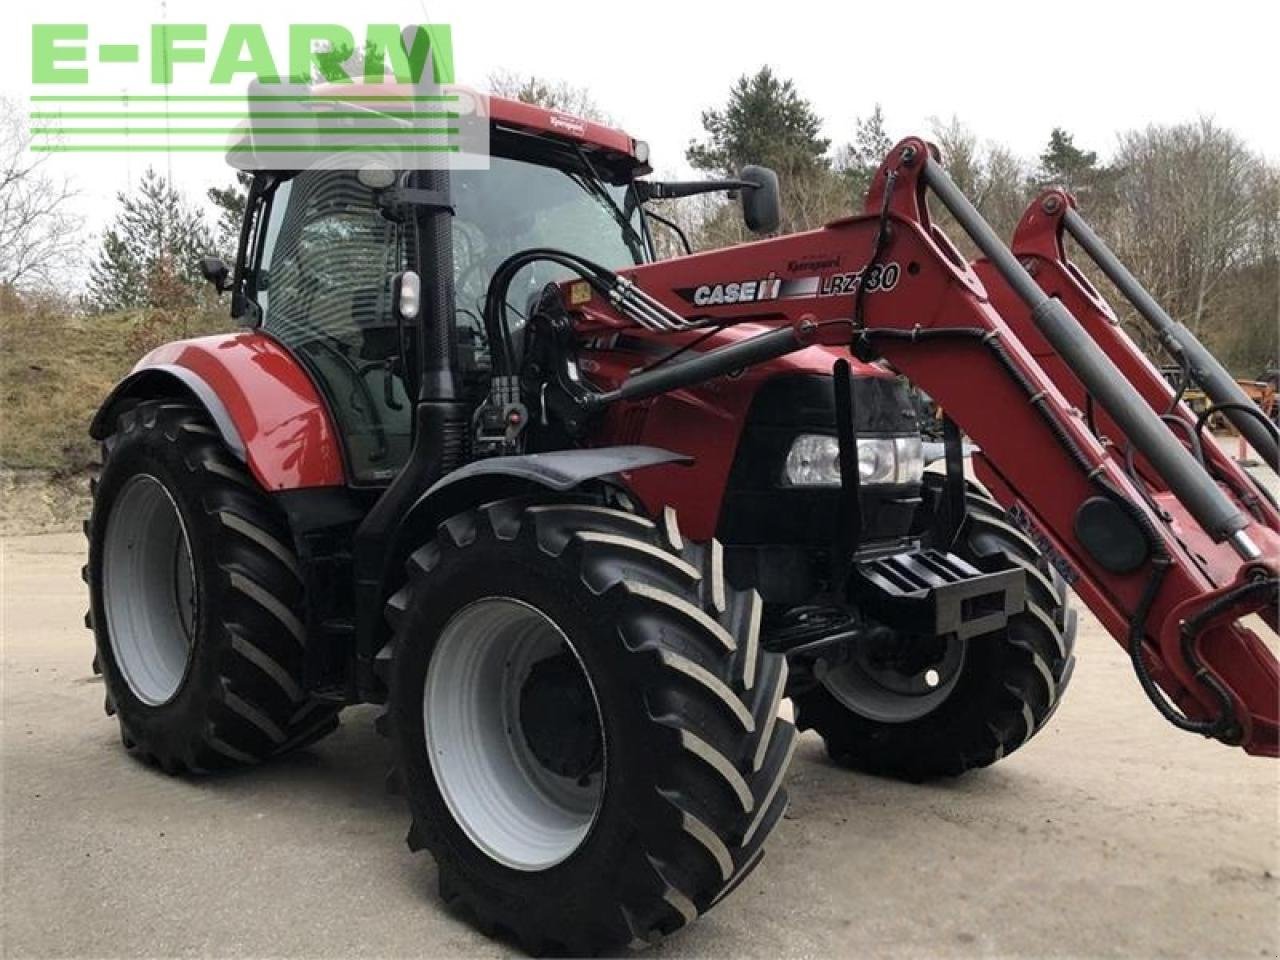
581	519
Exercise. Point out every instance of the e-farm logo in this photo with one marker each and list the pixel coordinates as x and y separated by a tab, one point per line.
323	94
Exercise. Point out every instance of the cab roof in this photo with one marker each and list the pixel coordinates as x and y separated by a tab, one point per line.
617	147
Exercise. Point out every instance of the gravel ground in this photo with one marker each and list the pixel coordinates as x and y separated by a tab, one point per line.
1110	834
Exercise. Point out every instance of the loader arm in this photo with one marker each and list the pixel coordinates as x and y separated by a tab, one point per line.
1039	244
1169	572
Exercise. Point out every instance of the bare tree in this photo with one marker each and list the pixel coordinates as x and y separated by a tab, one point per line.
1004	193
38	232
544	92
1187	213
990	175
703	219
1242	321
961	154
1267	247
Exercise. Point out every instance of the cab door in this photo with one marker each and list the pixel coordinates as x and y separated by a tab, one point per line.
326	256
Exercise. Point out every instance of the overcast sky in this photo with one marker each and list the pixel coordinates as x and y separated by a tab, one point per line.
1011	71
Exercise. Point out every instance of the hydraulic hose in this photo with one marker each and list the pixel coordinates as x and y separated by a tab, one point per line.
505	363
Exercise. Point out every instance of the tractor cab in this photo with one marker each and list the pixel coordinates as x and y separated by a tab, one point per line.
323	246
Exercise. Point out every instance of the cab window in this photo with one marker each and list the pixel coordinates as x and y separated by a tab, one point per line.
324	289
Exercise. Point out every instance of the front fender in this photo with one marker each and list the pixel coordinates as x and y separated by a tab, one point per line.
561	470
482	481
265	406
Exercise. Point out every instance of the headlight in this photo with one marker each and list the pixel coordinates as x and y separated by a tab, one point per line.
814	460
875	460
909	457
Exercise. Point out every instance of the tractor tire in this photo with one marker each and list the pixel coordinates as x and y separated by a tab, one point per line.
585	723
196	599
1001	688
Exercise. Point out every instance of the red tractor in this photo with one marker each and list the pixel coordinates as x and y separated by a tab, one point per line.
441	468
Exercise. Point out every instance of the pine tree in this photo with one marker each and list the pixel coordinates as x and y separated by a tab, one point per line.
150	254
860	159
1063	164
230	201
764	121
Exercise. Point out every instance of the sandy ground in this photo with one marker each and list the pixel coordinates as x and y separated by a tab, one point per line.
31	501
1110	834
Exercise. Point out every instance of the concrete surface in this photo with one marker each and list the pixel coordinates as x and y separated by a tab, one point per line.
1110	834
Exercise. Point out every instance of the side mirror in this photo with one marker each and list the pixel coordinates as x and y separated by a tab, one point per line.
761	207
406	295
216	272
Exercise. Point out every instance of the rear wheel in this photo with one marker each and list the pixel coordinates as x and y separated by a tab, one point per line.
919	708
585	723
196	599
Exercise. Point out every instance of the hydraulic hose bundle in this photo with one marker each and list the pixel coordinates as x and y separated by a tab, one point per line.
627	298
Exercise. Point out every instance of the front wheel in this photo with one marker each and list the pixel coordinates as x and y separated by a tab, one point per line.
920	708
585	723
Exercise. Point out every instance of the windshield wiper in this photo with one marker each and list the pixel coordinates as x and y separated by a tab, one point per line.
593	186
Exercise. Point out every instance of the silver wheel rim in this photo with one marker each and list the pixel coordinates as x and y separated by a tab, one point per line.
149	592
888	695
512	807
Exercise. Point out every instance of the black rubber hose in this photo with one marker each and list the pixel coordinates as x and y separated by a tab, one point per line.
1254	412
1197	446
495	301
878	244
1248	408
1224	726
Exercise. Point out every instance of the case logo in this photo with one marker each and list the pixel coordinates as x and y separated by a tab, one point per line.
881	277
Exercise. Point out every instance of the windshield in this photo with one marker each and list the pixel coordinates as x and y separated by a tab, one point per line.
515	205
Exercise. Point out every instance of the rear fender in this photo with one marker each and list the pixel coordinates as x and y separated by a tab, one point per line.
166	380
262	402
